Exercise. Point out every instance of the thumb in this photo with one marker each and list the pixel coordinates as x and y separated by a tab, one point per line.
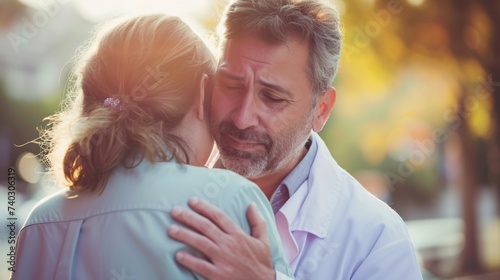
257	223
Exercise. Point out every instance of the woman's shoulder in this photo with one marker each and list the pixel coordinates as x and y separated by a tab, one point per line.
153	188
223	182
48	209
230	191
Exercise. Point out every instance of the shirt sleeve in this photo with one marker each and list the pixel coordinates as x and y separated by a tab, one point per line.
236	209
393	261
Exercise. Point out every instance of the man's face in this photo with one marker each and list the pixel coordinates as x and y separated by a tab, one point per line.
261	111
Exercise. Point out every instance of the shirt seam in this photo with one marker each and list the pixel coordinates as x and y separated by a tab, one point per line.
30	223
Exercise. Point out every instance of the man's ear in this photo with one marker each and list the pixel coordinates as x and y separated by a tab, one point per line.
326	101
201	98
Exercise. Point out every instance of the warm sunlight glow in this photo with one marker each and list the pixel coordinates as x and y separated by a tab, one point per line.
97	10
415	2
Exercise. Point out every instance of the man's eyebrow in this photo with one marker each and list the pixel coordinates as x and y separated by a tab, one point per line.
276	88
228	75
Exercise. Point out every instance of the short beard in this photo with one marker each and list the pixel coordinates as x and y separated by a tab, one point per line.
247	164
277	152
254	165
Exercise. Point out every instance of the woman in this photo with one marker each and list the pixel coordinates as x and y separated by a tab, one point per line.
131	145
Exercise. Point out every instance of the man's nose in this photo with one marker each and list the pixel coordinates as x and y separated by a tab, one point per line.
246	114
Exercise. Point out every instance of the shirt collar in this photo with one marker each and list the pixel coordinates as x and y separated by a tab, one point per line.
320	195
300	173
295	178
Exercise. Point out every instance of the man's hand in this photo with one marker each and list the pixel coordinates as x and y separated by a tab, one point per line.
232	253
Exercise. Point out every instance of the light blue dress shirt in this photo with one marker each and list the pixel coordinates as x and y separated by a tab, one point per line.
122	233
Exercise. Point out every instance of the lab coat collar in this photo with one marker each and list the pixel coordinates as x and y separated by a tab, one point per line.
312	207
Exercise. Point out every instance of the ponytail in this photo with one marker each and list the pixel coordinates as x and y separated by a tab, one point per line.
132	88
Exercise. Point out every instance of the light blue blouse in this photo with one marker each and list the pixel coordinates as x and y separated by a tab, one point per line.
122	233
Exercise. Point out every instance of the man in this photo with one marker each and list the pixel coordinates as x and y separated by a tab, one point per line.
272	93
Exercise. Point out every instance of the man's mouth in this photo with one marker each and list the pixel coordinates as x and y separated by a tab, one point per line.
243	145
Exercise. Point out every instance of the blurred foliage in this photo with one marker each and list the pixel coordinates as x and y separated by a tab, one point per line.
401	80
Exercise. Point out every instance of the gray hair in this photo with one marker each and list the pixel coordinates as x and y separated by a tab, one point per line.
276	20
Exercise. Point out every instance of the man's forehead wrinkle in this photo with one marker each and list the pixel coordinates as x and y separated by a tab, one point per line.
240	76
224	71
245	72
256	61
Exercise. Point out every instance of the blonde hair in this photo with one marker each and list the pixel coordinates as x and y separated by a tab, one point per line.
132	87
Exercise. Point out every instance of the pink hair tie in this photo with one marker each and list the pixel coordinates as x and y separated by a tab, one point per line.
113	102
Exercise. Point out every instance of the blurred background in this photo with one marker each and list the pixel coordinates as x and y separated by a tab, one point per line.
417	119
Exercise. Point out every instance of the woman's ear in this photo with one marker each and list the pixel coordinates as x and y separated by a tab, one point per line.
324	108
201	97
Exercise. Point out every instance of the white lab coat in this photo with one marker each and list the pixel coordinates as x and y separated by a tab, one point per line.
332	228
